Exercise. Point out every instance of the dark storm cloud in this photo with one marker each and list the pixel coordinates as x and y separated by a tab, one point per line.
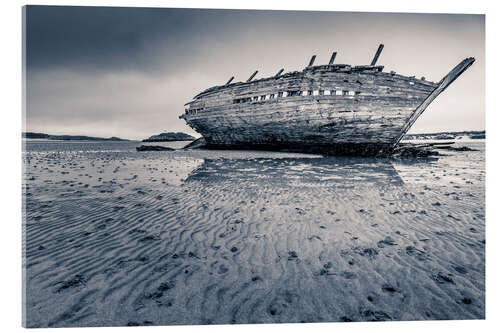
106	38
128	71
152	39
147	39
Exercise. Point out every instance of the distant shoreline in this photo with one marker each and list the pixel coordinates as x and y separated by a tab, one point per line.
77	140
447	135
168	137
33	135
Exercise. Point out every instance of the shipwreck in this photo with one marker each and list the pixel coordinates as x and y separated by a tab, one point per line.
332	109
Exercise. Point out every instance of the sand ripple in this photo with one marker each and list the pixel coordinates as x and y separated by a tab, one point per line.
126	238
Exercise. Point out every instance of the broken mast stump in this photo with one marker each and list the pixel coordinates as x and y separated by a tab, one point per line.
252	76
375	58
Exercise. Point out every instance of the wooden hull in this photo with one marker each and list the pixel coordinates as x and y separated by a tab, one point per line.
348	112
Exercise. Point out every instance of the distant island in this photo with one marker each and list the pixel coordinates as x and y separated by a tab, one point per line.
32	135
446	135
170	136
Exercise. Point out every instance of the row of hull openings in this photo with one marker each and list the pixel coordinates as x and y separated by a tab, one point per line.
295	93
281	94
193	111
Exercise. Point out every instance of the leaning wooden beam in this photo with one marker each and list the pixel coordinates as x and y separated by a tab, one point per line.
252	76
230	80
375	58
332	58
279	73
311	62
443	84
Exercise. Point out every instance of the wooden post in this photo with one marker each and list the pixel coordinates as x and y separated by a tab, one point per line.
280	71
332	58
252	76
230	80
375	58
311	62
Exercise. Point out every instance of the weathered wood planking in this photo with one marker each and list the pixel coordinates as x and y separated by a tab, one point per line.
371	120
443	84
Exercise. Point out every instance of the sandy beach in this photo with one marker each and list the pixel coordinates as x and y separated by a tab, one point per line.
115	237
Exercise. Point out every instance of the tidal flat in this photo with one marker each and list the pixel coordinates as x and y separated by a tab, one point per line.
115	237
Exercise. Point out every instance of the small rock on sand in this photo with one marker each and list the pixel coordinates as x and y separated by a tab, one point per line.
153	148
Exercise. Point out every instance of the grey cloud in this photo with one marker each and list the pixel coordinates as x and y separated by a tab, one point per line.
128	71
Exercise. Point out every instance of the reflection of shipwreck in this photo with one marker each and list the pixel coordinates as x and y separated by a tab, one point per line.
179	168
327	109
327	171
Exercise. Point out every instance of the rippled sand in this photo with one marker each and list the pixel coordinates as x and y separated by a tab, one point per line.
116	237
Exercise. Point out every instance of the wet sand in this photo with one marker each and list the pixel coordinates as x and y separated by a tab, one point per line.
115	237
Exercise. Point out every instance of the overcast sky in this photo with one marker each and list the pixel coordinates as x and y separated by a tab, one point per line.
128	72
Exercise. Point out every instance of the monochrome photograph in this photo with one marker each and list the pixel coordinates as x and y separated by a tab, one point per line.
186	166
